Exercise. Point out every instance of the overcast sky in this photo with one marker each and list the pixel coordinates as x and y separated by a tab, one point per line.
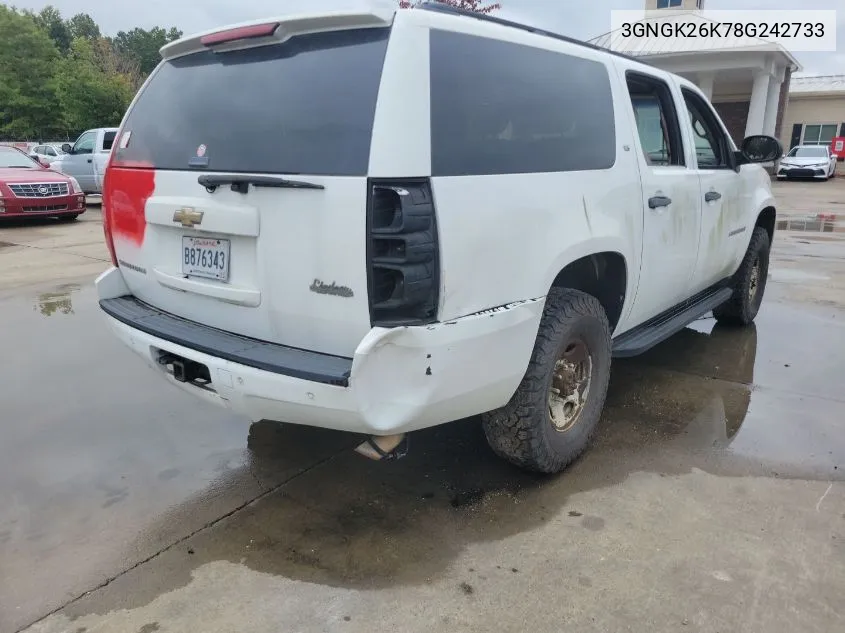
583	19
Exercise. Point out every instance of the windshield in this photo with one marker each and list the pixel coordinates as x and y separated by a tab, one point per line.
12	158
808	152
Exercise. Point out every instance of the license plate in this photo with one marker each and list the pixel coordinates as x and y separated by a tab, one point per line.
205	257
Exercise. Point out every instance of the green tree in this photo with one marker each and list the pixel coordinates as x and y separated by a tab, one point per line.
28	61
89	97
83	25
110	62
50	19
143	46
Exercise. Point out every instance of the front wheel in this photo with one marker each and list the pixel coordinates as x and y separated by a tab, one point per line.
550	419
749	283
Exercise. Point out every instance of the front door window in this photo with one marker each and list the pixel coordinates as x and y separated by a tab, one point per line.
85	144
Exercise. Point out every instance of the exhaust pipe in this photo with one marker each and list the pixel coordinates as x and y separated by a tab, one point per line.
384	447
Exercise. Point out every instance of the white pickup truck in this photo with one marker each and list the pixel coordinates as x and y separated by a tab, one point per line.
86	159
487	217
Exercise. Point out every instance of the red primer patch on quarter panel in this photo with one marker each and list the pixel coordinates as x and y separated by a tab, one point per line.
126	195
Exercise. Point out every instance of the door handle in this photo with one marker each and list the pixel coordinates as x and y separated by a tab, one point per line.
659	201
712	196
89	160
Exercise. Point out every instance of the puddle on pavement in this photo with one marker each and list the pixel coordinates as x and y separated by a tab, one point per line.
819	223
58	301
689	404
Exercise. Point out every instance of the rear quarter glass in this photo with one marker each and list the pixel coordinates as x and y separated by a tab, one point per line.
504	108
305	106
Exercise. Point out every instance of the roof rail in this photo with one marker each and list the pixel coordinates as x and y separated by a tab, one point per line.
440	7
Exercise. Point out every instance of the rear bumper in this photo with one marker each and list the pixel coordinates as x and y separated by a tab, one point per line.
399	379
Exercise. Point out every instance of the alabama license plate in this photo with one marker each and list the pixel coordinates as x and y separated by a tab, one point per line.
205	257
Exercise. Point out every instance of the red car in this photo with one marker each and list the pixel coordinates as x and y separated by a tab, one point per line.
29	188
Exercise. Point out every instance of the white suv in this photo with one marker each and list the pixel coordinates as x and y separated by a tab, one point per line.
381	221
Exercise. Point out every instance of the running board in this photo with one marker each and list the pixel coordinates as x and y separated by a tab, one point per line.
643	337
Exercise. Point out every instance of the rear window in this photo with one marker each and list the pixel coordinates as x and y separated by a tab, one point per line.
302	107
108	140
504	108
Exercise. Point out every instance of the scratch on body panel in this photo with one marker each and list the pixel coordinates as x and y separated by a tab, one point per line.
587	214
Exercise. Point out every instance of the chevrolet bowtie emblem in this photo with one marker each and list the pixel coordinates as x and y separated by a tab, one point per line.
188	217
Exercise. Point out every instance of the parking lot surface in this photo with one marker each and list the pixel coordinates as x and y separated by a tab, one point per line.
712	499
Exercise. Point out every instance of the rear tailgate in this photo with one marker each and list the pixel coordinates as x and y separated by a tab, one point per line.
275	248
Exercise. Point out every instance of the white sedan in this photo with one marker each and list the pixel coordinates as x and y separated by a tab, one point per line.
46	153
807	161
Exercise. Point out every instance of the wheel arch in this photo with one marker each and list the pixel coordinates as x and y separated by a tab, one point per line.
603	275
766	219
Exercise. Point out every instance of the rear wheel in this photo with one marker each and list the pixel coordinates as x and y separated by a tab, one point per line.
550	419
749	284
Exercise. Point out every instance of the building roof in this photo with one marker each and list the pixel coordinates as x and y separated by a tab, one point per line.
829	84
660	46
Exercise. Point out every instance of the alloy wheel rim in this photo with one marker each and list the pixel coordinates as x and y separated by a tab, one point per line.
570	386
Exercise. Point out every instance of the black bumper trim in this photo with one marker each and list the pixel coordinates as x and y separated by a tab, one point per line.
278	359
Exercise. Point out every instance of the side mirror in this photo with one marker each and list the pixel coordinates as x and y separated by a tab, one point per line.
67	148
761	149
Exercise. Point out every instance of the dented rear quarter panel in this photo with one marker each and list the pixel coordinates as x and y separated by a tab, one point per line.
505	237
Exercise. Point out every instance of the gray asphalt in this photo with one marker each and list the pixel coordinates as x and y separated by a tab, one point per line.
712	499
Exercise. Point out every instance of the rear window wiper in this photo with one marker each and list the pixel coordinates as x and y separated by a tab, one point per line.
240	183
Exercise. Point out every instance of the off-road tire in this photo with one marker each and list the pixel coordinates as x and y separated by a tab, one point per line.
522	431
742	308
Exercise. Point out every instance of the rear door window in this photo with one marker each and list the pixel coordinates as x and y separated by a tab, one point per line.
657	120
305	106
108	140
504	108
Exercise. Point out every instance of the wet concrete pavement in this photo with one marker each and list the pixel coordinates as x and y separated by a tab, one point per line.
712	498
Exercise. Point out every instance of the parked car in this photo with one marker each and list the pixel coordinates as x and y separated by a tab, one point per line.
27	188
86	159
46	154
322	261
808	161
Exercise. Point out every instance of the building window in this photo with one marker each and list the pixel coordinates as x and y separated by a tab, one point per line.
819	134
669	4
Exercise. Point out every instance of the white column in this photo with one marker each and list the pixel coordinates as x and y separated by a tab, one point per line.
757	107
770	120
705	84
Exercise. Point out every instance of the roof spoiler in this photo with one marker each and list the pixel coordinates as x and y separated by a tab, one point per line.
278	30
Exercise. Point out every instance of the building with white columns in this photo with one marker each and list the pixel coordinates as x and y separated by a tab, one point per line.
746	78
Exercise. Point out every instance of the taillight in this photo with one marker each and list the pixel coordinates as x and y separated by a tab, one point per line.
240	33
402	253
